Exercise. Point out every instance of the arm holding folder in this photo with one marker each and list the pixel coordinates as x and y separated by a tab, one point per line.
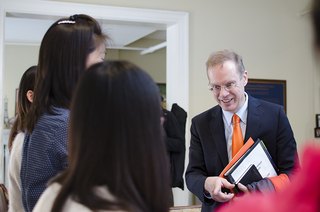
250	166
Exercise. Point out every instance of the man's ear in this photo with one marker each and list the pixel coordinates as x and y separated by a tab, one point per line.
245	78
30	95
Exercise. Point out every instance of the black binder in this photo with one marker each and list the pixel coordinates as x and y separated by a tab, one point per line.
255	164
249	176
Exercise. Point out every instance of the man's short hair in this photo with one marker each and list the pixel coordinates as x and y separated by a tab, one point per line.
220	57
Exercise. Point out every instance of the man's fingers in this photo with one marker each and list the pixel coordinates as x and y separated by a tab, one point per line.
223	197
226	184
213	185
243	188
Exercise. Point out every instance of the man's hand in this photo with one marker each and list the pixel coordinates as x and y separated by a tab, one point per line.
243	188
245	191
213	185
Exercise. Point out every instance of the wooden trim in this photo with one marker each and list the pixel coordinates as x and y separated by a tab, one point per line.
184	207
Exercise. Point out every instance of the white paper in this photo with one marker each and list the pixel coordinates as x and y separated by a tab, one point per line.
259	158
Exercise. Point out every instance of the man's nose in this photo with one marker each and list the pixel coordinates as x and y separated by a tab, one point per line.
223	91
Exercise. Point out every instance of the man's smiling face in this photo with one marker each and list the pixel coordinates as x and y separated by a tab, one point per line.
224	74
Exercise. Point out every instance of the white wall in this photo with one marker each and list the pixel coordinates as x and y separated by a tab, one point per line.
17	60
154	63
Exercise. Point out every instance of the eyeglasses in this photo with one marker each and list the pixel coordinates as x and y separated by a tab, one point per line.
217	88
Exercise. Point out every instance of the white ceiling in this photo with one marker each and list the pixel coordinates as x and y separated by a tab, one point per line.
25	30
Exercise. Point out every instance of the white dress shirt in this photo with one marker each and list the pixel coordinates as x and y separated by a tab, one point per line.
228	124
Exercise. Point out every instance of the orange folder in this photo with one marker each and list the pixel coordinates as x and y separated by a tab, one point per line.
243	149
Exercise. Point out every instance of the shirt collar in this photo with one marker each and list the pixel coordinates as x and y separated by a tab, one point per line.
241	113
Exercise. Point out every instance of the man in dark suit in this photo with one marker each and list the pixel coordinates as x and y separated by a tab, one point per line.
211	147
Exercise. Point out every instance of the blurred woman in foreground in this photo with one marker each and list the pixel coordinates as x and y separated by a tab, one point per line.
117	158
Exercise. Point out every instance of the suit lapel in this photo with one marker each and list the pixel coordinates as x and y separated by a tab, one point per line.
254	118
217	131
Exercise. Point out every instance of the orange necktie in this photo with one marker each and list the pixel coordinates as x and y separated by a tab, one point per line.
237	139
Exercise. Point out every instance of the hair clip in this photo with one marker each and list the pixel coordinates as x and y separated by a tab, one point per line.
66	22
74	17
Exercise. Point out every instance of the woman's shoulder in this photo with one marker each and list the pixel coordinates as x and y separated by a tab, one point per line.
16	151
17	142
47	199
57	115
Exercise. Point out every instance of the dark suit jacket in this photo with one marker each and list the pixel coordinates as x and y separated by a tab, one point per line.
176	148
177	158
208	150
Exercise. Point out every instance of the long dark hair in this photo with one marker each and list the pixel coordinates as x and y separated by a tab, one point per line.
62	60
26	84
115	141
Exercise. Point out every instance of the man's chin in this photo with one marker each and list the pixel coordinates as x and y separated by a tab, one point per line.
227	108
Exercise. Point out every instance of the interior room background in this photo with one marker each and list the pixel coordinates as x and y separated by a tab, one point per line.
273	36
